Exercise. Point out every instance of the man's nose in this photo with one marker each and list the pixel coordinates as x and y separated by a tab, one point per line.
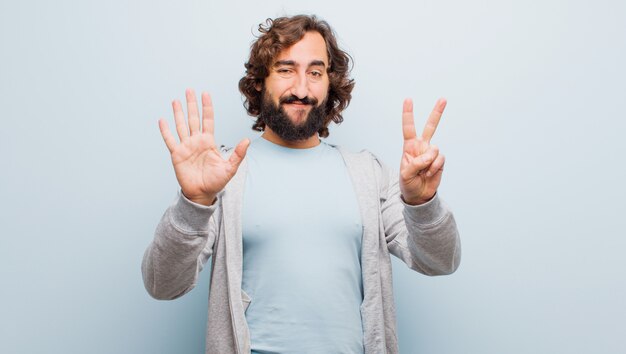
300	86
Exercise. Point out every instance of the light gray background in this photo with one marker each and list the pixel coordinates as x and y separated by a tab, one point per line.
532	134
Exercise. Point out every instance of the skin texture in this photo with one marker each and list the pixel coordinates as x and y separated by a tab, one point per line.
301	71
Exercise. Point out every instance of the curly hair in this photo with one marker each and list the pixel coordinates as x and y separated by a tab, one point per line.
279	34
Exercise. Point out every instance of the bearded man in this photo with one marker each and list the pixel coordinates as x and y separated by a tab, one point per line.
300	232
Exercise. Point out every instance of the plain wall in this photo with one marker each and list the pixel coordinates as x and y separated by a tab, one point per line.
533	136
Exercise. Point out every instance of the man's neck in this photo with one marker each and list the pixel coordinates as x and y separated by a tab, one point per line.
310	142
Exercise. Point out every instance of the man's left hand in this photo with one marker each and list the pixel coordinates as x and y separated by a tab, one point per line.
422	164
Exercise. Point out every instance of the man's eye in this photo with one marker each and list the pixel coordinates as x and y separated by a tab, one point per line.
316	74
283	71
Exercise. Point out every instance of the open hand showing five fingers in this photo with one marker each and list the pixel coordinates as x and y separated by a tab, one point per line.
422	164
200	169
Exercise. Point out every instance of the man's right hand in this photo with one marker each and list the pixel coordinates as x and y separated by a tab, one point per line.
200	169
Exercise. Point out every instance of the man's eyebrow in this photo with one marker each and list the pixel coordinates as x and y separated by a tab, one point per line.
285	62
317	63
293	63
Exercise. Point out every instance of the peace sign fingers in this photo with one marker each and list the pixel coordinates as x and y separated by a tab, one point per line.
421	163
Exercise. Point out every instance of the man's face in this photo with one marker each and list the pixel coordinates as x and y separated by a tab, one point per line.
296	89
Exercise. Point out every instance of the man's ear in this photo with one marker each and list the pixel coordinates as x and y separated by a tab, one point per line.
258	86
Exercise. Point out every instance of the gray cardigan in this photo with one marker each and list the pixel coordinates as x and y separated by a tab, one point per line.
424	237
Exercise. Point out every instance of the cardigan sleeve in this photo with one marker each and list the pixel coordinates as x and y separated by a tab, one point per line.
425	237
182	244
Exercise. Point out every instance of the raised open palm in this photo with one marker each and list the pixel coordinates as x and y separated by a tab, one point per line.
200	169
421	166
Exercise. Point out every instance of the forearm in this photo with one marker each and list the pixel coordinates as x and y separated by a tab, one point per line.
181	242
432	237
425	236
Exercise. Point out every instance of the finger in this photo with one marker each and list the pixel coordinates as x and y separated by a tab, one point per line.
408	126
414	147
422	162
240	152
169	139
207	114
179	119
192	111
433	120
436	166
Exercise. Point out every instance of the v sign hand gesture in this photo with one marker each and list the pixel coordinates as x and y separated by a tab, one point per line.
200	169
422	164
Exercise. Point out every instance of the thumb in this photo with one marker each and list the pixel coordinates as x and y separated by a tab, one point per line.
417	164
239	153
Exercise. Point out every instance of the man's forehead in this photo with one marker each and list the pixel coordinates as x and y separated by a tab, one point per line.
308	51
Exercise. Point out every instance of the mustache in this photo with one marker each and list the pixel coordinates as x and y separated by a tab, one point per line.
294	99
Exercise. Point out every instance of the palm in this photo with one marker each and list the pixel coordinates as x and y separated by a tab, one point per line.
200	169
421	166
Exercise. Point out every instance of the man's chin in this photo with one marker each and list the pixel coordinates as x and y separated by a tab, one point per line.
297	115
292	122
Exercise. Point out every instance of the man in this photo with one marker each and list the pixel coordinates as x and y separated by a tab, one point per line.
299	231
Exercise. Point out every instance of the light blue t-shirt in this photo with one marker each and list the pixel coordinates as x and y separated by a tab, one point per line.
302	236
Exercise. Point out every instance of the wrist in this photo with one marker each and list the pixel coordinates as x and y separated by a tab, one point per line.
416	201
206	200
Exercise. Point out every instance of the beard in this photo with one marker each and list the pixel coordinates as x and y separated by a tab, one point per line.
277	119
